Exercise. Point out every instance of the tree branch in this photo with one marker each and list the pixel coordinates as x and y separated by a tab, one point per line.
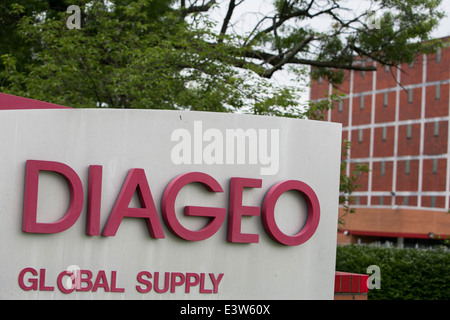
287	14
226	21
278	61
195	9
288	57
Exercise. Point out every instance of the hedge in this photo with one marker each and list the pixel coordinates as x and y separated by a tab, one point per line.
406	274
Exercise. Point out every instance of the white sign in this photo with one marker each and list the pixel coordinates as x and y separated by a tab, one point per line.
144	204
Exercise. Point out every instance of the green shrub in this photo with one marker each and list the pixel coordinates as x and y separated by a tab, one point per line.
406	274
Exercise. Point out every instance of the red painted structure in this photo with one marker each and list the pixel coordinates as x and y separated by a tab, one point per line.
350	286
10	102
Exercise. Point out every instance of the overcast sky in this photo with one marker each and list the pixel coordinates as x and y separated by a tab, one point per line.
444	27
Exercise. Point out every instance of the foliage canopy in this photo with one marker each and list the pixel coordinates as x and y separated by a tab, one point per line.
406	274
192	54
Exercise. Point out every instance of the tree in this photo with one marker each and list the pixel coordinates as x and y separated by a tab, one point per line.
174	55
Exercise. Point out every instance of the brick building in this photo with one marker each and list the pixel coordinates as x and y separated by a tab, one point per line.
398	123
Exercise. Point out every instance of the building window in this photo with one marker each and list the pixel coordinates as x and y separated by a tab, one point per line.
359	172
382	168
433	201
360	135
385	99
408	131
405	200
386	68
381	200
437	94
435	166
439	55
384	134
436	129
340	106
407	167
361	103
410	95
411	65
320	80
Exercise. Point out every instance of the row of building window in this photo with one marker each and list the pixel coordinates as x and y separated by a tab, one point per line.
406	200
408	132
434	168
388	68
437	96
411	65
